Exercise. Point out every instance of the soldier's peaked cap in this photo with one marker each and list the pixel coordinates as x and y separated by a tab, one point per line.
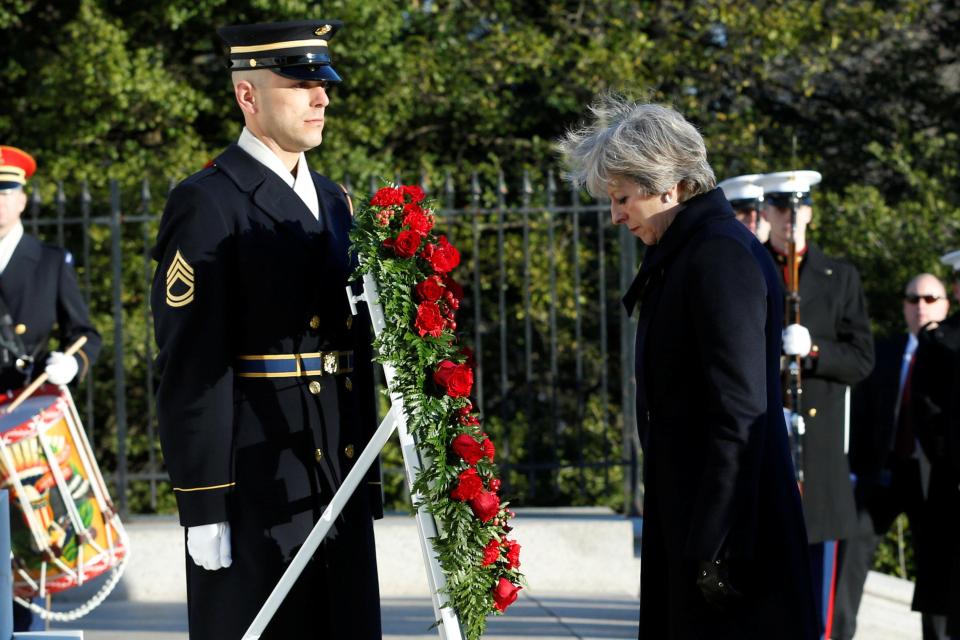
299	50
742	188
788	182
951	259
16	167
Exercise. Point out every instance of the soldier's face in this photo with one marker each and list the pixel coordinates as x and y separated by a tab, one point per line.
779	219
291	112
12	204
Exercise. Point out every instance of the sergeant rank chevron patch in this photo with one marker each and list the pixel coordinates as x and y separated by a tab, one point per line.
179	282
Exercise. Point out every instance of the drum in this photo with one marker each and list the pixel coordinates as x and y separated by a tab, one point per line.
63	527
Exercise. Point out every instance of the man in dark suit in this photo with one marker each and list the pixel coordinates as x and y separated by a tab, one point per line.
835	350
936	422
265	394
891	471
38	290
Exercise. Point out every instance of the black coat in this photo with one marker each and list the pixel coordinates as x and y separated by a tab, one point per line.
936	410
259	275
834	309
719	482
874	415
40	290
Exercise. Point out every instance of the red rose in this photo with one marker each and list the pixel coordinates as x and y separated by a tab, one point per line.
444	257
429	321
414	192
386	197
417	221
406	244
470	486
430	289
467	448
427	251
504	594
470	421
495	485
453	287
457	379
486	505
488	449
513	554
491	552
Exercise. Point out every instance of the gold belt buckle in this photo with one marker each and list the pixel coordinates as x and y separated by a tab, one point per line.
331	362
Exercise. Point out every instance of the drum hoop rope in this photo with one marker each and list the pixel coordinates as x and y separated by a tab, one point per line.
95	601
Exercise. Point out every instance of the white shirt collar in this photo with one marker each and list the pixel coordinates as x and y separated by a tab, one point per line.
8	244
302	184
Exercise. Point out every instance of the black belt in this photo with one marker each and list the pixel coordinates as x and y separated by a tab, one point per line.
293	365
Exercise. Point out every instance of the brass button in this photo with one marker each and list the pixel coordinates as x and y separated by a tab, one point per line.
318	455
314	387
20	329
348	383
253	62
812	413
315	322
348	450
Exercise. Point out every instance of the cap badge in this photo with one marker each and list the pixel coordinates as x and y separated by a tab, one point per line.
322	30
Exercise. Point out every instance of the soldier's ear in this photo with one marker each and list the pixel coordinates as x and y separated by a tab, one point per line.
245	93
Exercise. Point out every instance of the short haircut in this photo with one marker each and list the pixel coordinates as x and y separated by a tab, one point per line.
651	144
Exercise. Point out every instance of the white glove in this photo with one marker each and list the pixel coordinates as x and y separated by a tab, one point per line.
61	368
209	545
796	340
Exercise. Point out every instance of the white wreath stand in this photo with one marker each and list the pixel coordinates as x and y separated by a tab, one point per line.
448	625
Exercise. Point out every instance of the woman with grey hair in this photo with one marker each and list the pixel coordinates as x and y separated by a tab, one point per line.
724	550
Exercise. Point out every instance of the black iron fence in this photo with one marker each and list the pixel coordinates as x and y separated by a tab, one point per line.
543	272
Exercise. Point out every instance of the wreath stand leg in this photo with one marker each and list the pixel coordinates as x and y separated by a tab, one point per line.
448	625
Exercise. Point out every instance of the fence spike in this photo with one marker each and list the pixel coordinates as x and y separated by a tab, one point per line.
61	198
527	187
145	190
501	183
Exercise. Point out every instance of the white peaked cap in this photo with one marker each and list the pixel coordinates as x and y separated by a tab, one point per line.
789	181
951	259
742	187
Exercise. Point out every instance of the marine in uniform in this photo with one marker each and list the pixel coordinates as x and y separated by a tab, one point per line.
38	292
834	342
265	395
746	198
936	420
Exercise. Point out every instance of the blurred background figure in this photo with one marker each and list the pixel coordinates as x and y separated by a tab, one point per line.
935	409
892	473
746	198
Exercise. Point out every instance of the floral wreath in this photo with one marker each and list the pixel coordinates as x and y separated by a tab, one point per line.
395	241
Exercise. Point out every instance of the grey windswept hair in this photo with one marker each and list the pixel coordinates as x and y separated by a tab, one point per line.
651	144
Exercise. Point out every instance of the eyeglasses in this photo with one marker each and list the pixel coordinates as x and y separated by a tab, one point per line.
915	299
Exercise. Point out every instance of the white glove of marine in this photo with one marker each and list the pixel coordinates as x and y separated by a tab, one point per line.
209	545
796	340
61	368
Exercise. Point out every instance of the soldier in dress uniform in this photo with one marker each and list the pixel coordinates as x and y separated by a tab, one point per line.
746	197
38	290
936	421
265	394
834	342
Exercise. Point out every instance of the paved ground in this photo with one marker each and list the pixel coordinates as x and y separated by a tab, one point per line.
540	617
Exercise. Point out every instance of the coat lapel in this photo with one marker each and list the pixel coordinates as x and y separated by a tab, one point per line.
270	193
816	277
16	277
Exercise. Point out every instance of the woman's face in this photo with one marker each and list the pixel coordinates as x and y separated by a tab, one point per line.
646	215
